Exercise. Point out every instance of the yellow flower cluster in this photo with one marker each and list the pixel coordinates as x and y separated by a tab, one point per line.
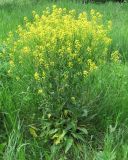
58	44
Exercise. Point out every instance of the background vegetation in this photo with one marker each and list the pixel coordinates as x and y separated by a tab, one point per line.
106	97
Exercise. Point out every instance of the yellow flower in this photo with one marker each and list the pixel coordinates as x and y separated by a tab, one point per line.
43	75
26	50
72	12
92	12
69	50
89	49
92	65
36	76
85	73
36	17
40	91
25	19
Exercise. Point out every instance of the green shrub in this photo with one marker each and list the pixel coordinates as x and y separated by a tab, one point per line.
50	62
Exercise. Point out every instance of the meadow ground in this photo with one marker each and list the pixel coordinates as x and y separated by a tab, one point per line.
107	94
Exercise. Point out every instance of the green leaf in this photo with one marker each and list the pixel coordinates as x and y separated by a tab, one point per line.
69	144
59	137
84	130
78	137
85	113
53	131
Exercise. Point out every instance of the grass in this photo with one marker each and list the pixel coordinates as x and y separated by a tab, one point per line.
107	92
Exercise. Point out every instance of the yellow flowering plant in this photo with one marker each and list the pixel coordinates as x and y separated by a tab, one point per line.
53	56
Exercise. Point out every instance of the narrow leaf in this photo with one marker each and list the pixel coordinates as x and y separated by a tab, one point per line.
69	144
